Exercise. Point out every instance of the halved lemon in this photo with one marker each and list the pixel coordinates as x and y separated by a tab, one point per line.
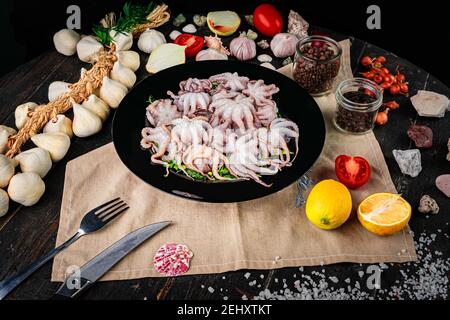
384	213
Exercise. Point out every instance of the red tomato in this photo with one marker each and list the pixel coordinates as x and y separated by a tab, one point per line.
267	20
353	172
193	43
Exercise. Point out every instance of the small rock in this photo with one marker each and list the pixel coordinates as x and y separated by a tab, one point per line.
179	20
409	161
297	25
428	205
430	104
174	34
189	28
264	58
263	44
199	20
267	65
421	135
443	184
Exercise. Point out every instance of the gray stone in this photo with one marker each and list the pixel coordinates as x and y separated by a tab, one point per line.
428	205
430	104
409	161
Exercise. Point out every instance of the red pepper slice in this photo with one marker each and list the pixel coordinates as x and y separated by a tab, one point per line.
192	43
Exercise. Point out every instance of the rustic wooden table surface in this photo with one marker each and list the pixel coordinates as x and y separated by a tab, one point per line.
27	233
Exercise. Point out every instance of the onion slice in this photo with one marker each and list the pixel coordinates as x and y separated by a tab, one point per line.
165	56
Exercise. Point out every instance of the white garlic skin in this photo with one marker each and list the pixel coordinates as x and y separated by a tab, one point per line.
57	89
4	202
283	45
26	188
189	28
7	169
85	122
97	106
66	41
57	144
87	49
61	124
174	34
243	48
129	59
123	75
112	92
210	54
5	133
150	39
122	40
35	160
264	58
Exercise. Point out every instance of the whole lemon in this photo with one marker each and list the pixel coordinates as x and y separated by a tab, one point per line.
329	204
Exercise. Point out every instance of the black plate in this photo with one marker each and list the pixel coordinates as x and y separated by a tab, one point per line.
293	102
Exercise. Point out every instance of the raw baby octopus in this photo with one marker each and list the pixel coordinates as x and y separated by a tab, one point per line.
222	128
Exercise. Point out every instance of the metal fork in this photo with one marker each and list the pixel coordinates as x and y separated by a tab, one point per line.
93	221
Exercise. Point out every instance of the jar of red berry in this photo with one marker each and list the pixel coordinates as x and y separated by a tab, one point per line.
317	63
358	101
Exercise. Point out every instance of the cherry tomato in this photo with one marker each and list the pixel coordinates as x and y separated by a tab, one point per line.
381	59
353	172
193	44
401	77
368	75
404	88
395	89
378	78
366	61
385	85
267	20
385	71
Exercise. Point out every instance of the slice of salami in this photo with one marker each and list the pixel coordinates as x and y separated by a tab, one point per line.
172	259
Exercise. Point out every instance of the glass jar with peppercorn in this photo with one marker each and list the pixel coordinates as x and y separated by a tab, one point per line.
317	63
358	101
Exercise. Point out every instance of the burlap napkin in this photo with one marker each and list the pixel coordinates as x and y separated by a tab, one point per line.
262	234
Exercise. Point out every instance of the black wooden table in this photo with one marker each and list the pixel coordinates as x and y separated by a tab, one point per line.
27	233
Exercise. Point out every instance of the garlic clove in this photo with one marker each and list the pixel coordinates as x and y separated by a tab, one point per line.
97	106
85	122
189	28
57	144
123	75
5	133
65	41
210	54
174	34
112	92
87	48
4	203
129	59
26	188
7	169
150	39
122	40
57	89
268	65
35	160
61	124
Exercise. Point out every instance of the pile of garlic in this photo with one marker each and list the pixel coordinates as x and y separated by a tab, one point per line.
22	176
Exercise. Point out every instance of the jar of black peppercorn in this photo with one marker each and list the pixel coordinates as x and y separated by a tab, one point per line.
358	101
317	63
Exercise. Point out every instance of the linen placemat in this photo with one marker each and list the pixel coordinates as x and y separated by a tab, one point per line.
267	233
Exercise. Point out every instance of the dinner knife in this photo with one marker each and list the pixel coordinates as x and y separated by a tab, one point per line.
93	270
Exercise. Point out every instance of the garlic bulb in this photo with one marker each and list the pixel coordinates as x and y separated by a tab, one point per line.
7	169
26	188
129	59
150	40
97	106
85	122
243	48
21	113
35	160
283	45
210	54
57	89
87	48
57	144
123	75
66	41
122	40
4	202
5	133
112	92
61	124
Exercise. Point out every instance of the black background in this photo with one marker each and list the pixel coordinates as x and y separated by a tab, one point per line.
416	31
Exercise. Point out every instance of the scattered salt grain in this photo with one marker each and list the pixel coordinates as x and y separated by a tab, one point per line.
334	279
210	289
261	276
247	275
225	298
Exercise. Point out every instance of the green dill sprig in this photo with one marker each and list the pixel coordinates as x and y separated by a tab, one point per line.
102	34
